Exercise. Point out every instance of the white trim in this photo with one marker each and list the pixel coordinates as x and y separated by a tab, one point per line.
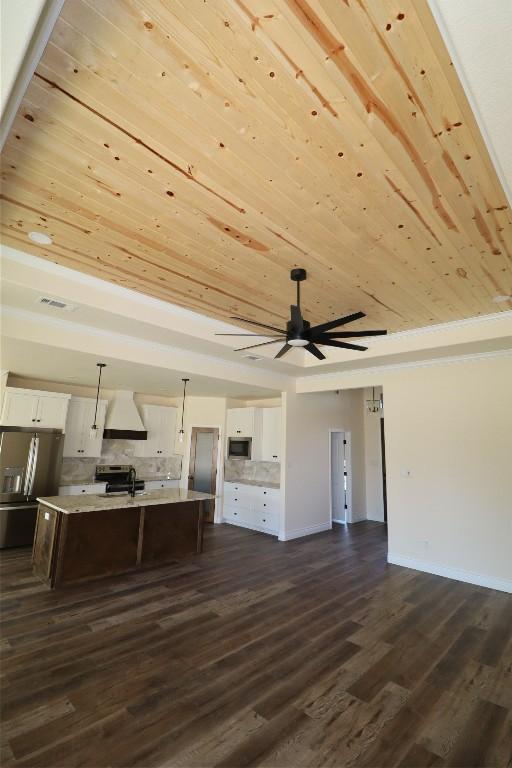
40	37
398	366
297	533
503	585
449	326
468	92
250	527
348	455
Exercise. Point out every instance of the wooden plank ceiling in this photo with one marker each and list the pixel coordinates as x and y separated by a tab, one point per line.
196	150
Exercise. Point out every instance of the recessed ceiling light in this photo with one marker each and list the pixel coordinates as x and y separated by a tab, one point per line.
501	299
40	238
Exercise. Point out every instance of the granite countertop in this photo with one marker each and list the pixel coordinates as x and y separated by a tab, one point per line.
93	502
260	483
150	478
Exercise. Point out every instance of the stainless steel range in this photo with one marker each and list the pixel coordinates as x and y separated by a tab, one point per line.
117	478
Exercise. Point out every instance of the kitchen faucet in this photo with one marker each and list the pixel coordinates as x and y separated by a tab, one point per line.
132	477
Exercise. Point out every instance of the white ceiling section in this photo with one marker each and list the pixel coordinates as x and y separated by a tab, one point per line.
29	360
478	35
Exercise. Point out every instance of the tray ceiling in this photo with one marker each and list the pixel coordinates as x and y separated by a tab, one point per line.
197	151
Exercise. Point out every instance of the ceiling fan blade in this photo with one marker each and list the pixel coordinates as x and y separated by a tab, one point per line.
335	323
297	319
352	334
261	325
283	351
315	351
263	344
253	335
341	344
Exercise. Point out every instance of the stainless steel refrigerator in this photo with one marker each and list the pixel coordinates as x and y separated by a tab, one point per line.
30	463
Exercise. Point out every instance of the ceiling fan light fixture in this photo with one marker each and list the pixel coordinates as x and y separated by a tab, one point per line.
299	332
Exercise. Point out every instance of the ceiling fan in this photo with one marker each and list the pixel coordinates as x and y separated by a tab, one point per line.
299	332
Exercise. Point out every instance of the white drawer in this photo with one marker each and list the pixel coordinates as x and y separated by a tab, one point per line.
271	506
75	490
267	520
237	496
238	515
154	485
269	494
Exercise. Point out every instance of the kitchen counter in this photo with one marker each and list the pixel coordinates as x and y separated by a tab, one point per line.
70	505
79	538
259	483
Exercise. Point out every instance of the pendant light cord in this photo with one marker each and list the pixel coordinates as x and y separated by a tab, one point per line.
100	366
183	405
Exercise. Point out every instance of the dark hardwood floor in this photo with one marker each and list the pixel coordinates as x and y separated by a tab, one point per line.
313	652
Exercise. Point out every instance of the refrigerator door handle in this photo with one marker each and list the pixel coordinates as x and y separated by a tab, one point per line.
34	464
31	465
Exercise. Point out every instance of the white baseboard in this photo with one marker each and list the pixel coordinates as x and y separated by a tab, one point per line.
259	528
296	533
503	585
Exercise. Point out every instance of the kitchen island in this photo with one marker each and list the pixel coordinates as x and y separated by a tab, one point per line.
87	537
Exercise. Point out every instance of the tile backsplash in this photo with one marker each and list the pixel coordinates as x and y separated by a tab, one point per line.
238	470
76	470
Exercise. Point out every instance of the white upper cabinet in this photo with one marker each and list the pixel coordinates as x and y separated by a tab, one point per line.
160	424
271	434
34	408
78	440
241	422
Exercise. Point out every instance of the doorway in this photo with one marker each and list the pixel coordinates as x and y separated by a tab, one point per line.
383	454
202	475
340	476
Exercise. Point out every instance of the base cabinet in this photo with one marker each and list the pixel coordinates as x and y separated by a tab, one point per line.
70	548
252	506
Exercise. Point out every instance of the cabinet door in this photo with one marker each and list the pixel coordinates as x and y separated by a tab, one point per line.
20	409
51	411
73	439
166	431
150	420
271	434
240	422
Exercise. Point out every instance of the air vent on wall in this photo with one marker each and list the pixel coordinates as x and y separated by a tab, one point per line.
252	357
56	303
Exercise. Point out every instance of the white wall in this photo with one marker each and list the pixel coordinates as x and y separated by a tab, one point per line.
450	423
305	471
451	426
373	459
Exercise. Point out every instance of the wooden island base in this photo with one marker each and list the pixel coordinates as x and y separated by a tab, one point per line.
70	548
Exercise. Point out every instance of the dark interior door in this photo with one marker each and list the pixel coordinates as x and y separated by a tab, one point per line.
383	452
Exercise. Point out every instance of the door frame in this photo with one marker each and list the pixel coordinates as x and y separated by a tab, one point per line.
348	457
217	515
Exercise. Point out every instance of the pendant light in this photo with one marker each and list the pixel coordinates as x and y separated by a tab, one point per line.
94	427
374	405
181	433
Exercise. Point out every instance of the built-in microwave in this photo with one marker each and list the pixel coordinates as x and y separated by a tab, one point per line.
239	447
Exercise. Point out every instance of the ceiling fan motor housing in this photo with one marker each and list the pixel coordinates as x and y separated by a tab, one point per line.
296	333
